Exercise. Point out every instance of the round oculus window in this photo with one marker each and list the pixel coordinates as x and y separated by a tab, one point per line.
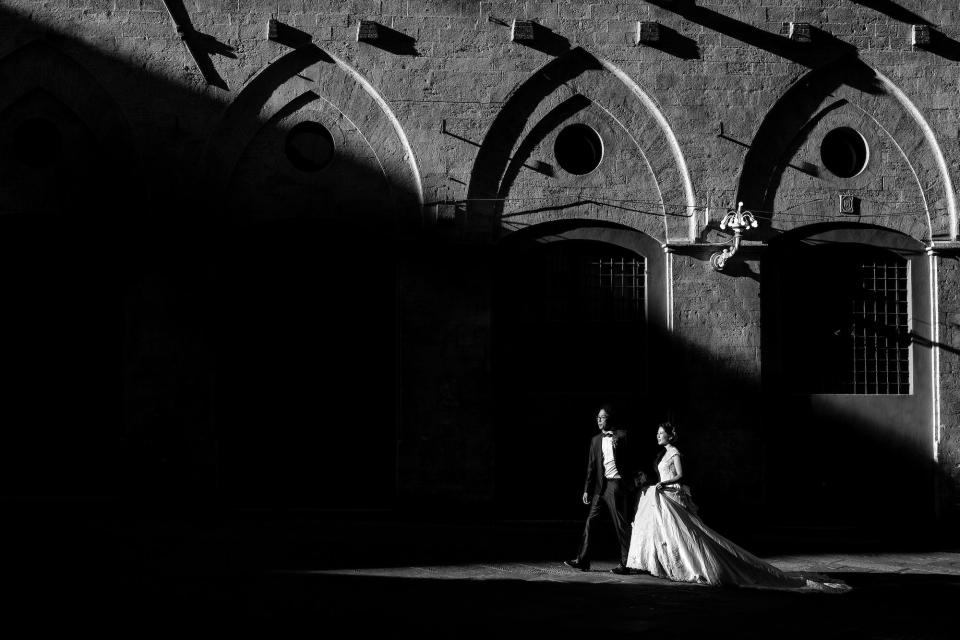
578	149
844	152
309	146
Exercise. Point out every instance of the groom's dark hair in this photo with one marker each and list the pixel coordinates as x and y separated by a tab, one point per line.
608	409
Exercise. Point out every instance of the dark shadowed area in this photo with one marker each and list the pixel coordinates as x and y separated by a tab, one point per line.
308	311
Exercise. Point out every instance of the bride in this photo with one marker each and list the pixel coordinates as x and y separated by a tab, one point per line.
670	541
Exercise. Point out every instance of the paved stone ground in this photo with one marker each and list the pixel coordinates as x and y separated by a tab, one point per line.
895	595
942	563
346	579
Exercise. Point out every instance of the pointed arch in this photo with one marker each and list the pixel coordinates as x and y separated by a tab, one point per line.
660	204
39	66
312	73
848	93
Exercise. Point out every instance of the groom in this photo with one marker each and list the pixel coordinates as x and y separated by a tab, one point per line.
611	480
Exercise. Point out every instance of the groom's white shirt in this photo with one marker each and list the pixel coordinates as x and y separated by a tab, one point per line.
609	464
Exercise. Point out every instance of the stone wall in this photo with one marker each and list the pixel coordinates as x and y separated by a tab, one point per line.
436	111
949	428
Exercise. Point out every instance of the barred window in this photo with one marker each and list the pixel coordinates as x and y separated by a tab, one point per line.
848	316
571	318
595	288
878	344
614	288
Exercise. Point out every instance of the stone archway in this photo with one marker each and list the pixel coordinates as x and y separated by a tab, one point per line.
315	177
899	194
904	184
642	180
578	321
373	179
557	223
62	269
848	381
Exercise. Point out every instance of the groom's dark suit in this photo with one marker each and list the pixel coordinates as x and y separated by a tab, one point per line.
616	494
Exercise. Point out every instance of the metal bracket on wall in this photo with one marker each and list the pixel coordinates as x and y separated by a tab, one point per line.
738	221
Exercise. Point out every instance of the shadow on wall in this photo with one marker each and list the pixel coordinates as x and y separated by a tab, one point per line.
253	348
764	459
255	326
826	47
493	167
202	46
674	43
940	44
894	10
788	126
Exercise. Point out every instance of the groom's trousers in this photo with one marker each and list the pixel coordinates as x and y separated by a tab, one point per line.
615	496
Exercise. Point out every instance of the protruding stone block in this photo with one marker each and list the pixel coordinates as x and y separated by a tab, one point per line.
648	33
849	204
287	35
368	31
523	31
799	31
920	35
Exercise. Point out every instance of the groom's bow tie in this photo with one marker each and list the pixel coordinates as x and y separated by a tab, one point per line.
607	434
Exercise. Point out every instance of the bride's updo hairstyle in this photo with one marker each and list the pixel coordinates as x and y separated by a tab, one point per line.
670	429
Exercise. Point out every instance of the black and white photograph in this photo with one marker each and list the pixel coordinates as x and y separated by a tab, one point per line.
469	318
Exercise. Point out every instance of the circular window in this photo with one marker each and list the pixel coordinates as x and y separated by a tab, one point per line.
309	146
37	143
578	149
844	152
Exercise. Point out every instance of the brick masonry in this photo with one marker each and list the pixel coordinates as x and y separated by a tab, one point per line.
433	121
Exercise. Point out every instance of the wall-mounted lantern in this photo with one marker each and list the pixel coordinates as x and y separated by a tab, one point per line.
738	221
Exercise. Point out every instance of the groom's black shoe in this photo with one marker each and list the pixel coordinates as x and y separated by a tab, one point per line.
621	570
576	564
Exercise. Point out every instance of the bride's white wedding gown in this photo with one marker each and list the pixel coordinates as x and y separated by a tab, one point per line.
670	541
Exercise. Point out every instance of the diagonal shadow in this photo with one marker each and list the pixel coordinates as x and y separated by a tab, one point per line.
940	43
787	125
547	41
183	247
676	44
824	47
537	165
393	41
196	292
894	10
201	46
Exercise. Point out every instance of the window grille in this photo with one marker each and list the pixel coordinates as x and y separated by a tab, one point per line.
571	318
595	289
614	288
879	356
845	314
